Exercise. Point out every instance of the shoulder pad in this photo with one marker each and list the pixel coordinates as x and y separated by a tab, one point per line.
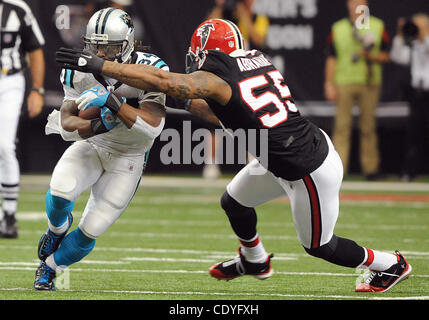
72	78
151	59
67	77
216	62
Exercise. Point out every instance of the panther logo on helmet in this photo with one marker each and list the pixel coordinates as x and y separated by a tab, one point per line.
127	20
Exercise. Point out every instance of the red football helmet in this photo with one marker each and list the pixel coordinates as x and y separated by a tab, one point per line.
216	34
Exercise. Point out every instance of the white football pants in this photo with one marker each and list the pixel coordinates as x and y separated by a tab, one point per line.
12	89
113	180
314	199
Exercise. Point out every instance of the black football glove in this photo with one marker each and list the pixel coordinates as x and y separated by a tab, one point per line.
80	60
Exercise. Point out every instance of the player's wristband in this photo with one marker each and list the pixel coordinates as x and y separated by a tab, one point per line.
114	103
98	126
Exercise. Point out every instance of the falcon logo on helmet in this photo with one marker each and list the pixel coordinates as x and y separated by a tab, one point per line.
213	34
204	33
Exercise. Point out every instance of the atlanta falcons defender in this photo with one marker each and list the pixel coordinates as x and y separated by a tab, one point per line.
244	90
111	150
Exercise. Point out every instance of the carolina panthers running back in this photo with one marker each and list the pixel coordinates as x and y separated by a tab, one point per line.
110	152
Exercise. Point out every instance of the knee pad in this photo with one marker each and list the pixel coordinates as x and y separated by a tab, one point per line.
63	184
326	251
243	219
94	225
232	207
57	208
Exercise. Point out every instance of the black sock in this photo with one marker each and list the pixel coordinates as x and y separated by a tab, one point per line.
243	219
340	251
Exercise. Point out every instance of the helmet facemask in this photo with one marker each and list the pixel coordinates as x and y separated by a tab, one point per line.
194	60
190	61
112	50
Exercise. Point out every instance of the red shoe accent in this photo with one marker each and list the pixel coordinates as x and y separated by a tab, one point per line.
218	274
365	287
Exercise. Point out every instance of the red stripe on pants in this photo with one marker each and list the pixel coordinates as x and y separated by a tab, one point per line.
315	212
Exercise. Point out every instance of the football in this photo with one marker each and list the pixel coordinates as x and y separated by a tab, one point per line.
90	113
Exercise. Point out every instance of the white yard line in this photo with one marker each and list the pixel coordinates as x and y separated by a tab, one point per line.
281	273
234	294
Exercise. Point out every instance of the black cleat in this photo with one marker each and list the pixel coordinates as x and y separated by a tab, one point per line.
239	266
49	242
8	227
381	281
44	278
39	271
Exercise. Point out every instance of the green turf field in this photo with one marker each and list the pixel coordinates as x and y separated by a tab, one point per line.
174	230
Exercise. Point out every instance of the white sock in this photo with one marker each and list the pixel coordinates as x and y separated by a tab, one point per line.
253	250
378	260
10	206
51	262
53	265
59	230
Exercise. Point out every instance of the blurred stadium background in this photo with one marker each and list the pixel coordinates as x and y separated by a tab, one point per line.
296	40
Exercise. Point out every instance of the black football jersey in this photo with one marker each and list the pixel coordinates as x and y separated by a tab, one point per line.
262	100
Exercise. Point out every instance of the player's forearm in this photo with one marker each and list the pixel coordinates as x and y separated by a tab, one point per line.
147	121
149	78
137	76
37	67
151	113
201	109
70	122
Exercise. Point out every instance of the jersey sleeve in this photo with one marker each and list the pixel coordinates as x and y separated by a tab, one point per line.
70	84
152	60
218	63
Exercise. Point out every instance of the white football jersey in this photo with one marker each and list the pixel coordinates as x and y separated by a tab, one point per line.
120	139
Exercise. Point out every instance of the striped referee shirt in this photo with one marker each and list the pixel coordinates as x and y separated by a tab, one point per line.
19	34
